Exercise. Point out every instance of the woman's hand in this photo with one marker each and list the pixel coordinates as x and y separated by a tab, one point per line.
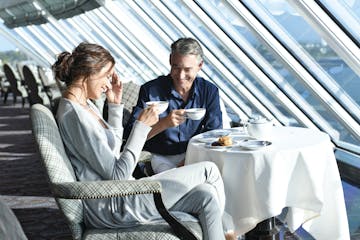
149	116
114	93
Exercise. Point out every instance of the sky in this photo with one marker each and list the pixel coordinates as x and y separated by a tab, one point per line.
5	45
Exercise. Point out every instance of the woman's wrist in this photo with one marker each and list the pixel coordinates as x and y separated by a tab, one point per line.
114	101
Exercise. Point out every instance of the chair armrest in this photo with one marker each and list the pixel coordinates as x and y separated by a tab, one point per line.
104	189
121	188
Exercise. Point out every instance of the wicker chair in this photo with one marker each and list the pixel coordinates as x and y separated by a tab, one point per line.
68	192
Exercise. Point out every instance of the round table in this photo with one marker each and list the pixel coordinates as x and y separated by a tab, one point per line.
298	171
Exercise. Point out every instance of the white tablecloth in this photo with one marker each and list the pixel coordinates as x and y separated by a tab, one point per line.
298	170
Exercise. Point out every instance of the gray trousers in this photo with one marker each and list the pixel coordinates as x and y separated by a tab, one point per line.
197	189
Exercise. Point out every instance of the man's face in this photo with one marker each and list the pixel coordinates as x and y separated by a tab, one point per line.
184	69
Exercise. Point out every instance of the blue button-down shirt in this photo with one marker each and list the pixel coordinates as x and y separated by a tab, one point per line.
174	140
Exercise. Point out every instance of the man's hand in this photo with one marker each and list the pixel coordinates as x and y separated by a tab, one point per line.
175	118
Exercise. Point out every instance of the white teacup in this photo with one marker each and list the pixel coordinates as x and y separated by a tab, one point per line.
160	105
195	113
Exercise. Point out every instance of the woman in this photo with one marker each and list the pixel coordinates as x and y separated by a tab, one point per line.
93	146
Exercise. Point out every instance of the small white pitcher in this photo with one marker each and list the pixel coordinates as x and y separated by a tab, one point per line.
260	128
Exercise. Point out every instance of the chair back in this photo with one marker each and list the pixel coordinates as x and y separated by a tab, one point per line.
130	97
50	87
46	76
10	76
32	86
56	163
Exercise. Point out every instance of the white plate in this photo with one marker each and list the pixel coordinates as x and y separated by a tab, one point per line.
254	144
217	133
242	138
207	139
237	129
235	144
238	132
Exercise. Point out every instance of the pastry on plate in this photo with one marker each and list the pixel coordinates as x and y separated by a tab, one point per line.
223	141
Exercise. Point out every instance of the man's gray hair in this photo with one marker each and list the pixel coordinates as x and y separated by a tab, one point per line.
187	46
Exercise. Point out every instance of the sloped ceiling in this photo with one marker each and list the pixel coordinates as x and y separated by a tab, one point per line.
9	3
17	13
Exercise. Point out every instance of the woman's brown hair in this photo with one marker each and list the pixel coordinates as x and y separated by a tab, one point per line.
86	59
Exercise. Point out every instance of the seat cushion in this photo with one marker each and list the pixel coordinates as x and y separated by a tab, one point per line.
149	232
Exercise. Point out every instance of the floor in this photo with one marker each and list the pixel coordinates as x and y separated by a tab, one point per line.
352	202
24	188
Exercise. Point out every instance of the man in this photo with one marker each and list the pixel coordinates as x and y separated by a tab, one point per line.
183	89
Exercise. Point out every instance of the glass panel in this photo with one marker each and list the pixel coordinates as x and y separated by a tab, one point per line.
139	29
241	102
35	38
45	38
35	44
62	35
77	34
159	18
142	31
78	25
300	31
26	51
128	45
231	24
117	47
341	81
347	12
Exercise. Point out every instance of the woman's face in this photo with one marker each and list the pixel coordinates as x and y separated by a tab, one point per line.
100	82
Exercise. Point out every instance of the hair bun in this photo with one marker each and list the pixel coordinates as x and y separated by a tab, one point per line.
61	67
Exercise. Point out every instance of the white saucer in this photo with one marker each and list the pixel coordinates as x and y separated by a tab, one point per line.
235	144
207	139
217	133
237	131
254	144
242	138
